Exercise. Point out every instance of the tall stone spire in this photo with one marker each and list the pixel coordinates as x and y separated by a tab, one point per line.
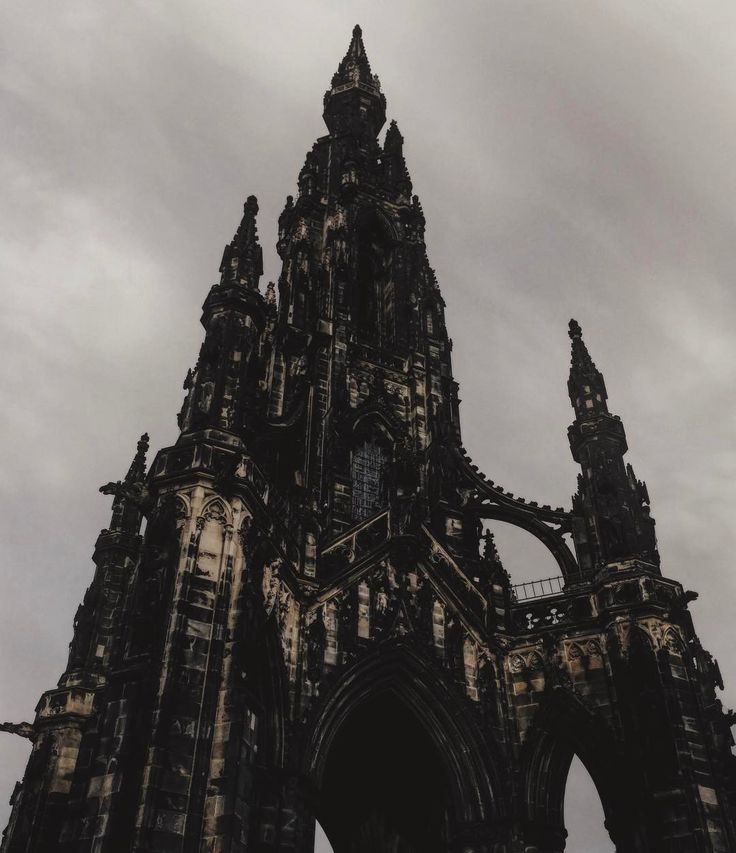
614	524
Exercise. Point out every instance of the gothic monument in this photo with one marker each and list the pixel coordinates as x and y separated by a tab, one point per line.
315	625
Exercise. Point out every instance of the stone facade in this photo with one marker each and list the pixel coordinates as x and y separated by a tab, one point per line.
314	623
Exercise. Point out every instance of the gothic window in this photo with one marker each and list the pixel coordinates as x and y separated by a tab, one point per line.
368	473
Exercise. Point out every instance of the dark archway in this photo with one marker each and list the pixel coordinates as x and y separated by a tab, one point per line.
585	820
395	697
385	787
563	728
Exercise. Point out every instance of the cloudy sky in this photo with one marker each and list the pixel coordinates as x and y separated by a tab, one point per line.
573	159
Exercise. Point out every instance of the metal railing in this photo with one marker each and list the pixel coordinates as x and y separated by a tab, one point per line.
539	589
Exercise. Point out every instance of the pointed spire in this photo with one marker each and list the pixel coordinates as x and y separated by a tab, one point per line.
354	68
137	470
394	162
586	386
354	104
394	143
490	552
242	260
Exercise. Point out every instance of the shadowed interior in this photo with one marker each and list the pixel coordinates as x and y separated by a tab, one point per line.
384	787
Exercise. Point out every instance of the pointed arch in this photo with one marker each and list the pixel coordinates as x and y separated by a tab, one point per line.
551	538
564	727
182	506
472	764
216	509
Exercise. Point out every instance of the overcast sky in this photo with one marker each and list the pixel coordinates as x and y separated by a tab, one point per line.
572	158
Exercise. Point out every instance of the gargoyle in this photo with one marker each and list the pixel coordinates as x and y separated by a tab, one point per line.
137	493
21	729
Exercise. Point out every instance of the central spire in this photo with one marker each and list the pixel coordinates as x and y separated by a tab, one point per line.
354	103
354	69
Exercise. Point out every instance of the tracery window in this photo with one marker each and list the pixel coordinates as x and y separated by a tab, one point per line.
368	473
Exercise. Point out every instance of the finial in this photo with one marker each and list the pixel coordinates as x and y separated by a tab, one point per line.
242	260
137	468
574	330
357	32
490	551
394	139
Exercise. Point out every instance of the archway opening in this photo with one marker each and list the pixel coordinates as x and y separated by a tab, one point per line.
384	787
321	841
531	566
584	817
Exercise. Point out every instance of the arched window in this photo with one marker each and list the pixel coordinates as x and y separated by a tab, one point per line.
368	468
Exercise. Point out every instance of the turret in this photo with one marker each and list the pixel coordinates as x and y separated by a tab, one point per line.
116	553
613	525
242	260
394	163
220	386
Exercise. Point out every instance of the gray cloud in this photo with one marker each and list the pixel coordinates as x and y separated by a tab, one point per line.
572	160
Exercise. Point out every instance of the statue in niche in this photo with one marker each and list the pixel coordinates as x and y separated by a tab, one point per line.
486	683
316	640
454	637
347	623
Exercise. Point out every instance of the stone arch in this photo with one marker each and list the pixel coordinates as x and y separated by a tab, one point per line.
552	539
563	727
672	641
216	509
182	506
470	763
376	217
374	418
